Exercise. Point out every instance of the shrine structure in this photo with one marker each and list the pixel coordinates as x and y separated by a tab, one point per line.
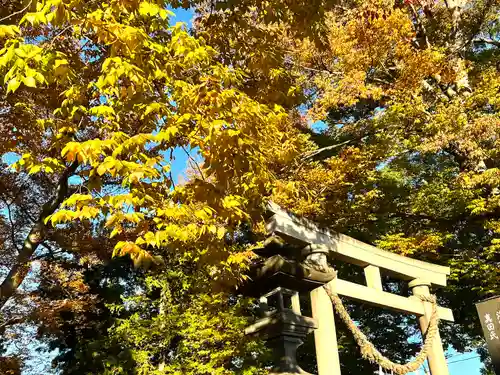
296	254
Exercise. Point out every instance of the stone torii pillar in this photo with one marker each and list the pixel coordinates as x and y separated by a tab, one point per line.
436	358
325	336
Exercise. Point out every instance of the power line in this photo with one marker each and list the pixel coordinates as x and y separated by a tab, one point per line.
458	355
449	363
465	359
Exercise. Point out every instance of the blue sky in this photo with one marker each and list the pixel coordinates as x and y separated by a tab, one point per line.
464	364
181	159
183	15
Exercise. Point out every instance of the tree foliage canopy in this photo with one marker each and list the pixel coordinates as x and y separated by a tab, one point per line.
99	96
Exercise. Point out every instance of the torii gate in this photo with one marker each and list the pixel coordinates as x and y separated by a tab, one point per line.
420	275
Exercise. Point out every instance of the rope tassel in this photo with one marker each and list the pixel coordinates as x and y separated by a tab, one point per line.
368	350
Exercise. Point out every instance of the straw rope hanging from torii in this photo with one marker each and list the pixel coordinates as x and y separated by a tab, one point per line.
368	350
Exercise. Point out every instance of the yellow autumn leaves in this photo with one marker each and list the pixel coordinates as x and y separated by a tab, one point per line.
137	90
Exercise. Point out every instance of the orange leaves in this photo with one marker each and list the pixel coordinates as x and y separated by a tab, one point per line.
382	32
140	257
372	54
123	248
72	281
10	365
71	152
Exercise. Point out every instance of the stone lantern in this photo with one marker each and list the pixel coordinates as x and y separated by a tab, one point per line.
277	281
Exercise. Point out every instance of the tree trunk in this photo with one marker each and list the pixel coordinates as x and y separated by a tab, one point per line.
35	237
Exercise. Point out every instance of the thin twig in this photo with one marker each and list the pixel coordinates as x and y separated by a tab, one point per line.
9	211
51	251
487	41
382	81
9	322
170	172
325	70
16	13
12	233
194	162
317	70
56	36
420	26
311	154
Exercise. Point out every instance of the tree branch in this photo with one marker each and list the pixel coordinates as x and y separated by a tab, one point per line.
170	171
311	154
317	70
51	251
195	163
12	231
35	237
16	13
487	41
420	26
379	80
8	323
480	19
455	8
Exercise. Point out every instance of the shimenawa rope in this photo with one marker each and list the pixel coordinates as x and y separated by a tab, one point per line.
368	350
